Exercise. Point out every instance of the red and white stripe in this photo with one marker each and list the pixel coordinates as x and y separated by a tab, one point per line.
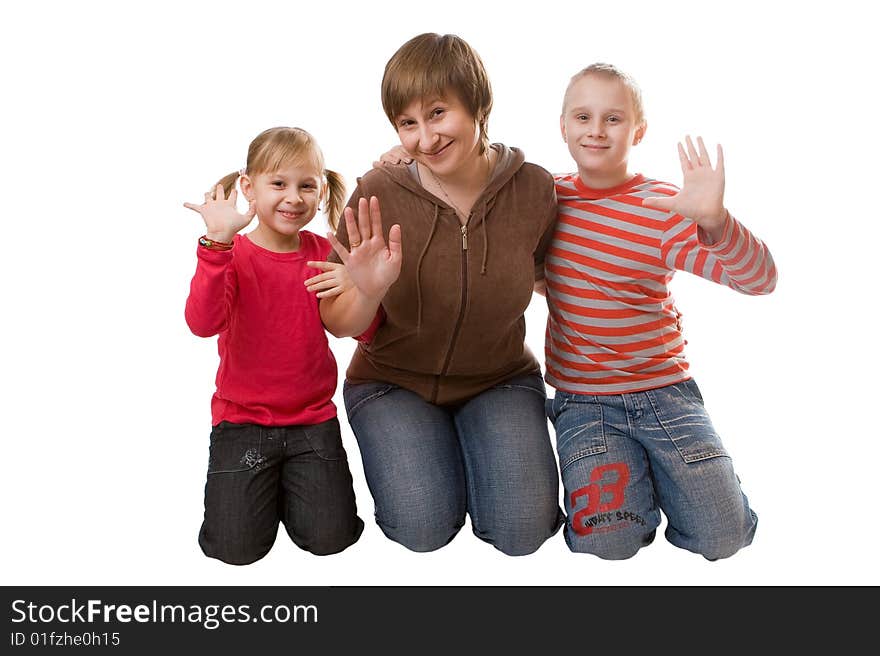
613	326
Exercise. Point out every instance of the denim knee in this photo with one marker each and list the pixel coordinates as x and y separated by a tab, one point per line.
526	537
420	539
419	536
717	542
620	548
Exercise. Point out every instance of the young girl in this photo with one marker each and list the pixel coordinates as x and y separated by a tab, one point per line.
276	450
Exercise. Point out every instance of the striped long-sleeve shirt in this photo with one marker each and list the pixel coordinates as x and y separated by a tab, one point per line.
613	326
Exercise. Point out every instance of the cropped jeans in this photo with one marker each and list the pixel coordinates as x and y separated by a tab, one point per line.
626	457
428	465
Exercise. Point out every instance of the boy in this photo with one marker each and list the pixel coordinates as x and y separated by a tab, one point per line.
633	436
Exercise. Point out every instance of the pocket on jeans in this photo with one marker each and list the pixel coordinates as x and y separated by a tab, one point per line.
325	440
681	413
355	396
235	448
580	428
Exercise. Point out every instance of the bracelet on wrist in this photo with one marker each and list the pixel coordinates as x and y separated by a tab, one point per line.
214	245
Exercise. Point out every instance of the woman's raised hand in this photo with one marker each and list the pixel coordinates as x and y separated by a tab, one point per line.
372	265
222	219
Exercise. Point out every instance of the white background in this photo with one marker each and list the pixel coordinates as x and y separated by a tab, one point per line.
113	116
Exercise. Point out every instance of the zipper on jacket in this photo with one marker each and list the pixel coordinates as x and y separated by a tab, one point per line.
464	297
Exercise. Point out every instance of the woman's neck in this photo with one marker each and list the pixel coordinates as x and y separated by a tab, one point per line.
472	174
461	188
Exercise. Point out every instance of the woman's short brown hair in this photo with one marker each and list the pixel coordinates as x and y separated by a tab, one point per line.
434	64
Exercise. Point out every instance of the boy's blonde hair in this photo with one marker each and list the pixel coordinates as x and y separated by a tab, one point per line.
610	70
276	148
433	64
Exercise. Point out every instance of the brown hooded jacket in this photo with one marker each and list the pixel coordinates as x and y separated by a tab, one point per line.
454	323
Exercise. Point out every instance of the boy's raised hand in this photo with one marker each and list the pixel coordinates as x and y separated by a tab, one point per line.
372	266
396	155
220	215
701	197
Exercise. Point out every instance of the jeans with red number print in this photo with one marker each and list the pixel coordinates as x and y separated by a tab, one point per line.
626	457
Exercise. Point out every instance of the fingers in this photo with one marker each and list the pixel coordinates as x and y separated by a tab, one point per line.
704	154
395	247
351	227
336	291
194	208
375	217
683	158
402	155
664	203
719	161
323	266
692	152
337	247
323	281
219	193
363	221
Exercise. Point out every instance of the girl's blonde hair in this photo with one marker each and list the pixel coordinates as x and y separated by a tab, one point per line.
276	148
434	64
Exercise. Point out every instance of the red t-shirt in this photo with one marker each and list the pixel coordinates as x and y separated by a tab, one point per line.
276	367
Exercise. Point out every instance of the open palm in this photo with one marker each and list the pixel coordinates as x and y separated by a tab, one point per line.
222	219
701	197
372	265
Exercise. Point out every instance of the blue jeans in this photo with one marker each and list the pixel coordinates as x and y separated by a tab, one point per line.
260	475
428	465
625	457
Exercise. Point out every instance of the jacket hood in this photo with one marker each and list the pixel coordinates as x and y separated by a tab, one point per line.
507	163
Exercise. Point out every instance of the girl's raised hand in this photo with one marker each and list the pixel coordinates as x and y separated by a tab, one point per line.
372	265
332	282
220	215
701	197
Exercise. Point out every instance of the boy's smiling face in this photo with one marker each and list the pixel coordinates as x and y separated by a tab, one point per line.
599	124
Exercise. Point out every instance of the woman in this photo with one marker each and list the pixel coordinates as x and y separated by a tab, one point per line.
444	398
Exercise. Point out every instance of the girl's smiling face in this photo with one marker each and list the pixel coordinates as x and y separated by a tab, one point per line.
286	200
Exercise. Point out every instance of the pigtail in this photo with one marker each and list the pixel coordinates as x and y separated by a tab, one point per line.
335	197
228	182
